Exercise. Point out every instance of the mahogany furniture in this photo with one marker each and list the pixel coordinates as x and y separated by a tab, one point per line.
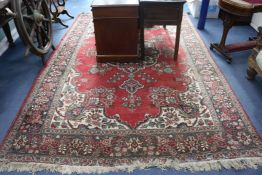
161	12
253	67
4	19
235	12
116	30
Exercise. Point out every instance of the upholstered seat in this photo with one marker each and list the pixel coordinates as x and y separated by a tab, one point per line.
239	7
259	60
255	59
235	12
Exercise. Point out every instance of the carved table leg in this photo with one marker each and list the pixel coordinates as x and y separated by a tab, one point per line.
228	23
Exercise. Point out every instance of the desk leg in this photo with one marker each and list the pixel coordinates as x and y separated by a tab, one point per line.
142	42
177	41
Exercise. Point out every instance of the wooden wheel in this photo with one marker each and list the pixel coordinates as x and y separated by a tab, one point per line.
34	25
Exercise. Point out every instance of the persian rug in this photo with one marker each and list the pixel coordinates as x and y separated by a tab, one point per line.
84	116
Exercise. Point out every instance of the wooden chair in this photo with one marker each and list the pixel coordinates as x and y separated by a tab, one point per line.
57	7
235	12
254	67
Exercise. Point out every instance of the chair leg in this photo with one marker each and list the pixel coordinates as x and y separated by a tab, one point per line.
8	34
66	13
58	20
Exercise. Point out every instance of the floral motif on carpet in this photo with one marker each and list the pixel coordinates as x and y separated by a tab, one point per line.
84	113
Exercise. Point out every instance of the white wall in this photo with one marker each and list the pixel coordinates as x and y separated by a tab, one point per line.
256	21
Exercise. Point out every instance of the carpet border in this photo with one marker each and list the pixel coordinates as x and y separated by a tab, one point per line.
31	90
221	74
237	164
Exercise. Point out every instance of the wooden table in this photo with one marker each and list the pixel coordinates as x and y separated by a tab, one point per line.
161	12
116	30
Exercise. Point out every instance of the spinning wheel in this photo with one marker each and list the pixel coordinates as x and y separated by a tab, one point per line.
34	25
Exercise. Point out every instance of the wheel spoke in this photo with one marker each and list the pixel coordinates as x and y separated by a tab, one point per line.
32	2
44	32
47	20
28	6
39	38
39	4
28	17
34	18
32	33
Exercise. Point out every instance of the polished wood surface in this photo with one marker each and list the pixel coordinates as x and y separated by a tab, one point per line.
108	3
116	30
115	12
240	7
161	12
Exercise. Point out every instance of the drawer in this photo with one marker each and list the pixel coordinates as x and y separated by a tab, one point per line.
115	12
163	13
116	36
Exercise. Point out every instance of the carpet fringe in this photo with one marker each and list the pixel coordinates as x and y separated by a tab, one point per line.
238	164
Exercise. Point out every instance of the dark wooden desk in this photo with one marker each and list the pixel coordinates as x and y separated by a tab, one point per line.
161	12
116	30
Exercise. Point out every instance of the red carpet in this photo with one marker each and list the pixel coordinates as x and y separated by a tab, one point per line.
107	117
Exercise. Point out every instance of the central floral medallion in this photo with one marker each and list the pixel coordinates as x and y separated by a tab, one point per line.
154	93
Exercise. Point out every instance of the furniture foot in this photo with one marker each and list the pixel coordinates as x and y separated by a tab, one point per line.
58	20
66	13
43	60
11	45
252	38
251	73
53	47
222	51
8	34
